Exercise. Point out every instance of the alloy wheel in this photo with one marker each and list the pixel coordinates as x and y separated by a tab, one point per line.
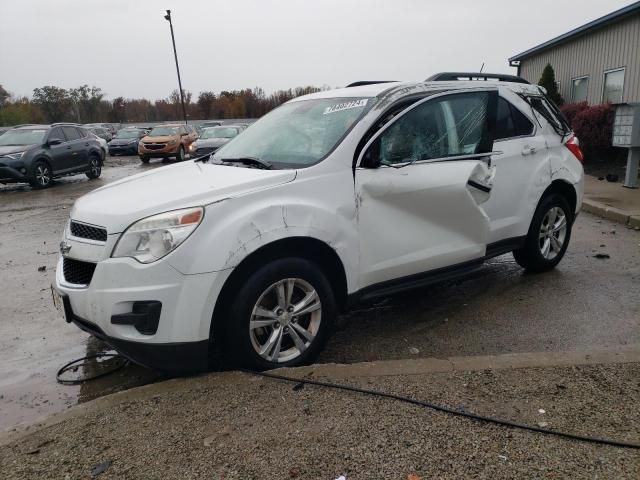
285	320
553	233
43	175
94	167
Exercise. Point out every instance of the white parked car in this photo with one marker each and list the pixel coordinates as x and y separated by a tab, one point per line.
104	146
331	200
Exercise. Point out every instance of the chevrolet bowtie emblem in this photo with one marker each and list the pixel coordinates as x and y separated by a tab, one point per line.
64	248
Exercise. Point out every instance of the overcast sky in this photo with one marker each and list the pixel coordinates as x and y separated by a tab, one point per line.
124	46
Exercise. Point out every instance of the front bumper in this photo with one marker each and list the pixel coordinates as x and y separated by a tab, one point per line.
166	151
181	341
123	149
10	174
171	358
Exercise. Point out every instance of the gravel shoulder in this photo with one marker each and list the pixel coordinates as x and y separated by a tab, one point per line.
234	425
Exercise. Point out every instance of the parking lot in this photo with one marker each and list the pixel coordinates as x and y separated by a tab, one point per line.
586	304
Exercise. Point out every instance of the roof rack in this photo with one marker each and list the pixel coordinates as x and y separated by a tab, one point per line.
453	76
368	82
64	123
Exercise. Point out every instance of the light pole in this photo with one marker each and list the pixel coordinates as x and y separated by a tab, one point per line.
167	17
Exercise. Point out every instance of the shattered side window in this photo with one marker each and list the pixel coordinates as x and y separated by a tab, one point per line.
447	126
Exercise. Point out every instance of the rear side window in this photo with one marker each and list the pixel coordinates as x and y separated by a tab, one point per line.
521	123
550	113
510	122
71	133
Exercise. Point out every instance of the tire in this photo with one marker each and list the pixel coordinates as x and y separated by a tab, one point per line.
42	175
144	159
546	245
180	155
95	167
301	337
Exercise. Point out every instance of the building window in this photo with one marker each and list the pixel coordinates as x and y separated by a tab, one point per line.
579	88
613	86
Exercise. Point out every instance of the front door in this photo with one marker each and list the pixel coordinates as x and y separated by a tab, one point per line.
60	151
420	184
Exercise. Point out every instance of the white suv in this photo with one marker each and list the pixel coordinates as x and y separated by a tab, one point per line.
331	200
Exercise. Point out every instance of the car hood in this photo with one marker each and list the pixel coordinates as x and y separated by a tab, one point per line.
119	204
7	149
162	139
211	142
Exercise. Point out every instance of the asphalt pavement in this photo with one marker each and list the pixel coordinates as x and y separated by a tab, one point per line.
587	303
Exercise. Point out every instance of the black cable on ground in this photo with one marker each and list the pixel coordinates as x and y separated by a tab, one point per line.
77	362
440	408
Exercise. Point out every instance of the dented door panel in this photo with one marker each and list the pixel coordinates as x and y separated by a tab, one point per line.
422	217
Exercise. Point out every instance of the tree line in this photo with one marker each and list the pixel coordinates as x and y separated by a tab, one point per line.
86	104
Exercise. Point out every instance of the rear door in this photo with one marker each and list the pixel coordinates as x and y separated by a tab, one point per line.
420	184
79	147
522	155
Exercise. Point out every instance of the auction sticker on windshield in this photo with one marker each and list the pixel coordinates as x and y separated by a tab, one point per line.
346	105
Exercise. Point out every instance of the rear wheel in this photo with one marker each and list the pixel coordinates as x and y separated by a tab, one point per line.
282	315
42	175
95	167
548	236
180	155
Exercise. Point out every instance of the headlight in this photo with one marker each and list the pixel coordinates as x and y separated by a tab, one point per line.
153	237
15	156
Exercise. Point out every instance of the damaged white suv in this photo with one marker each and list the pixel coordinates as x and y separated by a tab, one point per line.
331	200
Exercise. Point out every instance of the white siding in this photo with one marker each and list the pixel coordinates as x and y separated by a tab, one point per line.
613	46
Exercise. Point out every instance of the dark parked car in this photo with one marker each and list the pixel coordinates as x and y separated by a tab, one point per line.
211	139
126	141
38	153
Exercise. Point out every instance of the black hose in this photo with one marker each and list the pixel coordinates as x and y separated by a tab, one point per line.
440	408
81	380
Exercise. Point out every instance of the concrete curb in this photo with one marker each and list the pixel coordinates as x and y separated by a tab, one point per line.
611	213
419	366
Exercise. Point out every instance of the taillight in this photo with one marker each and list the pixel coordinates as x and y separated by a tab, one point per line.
573	144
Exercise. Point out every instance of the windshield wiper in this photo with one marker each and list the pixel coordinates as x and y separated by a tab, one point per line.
249	161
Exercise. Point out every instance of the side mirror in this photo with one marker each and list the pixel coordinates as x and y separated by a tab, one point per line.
54	141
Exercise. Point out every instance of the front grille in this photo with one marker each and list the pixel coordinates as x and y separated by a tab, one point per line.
83	230
154	146
78	272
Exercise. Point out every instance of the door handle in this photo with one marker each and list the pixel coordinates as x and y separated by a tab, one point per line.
528	150
68	148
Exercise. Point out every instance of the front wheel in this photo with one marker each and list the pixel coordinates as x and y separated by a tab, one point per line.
548	236
180	155
42	175
282	315
95	167
144	159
